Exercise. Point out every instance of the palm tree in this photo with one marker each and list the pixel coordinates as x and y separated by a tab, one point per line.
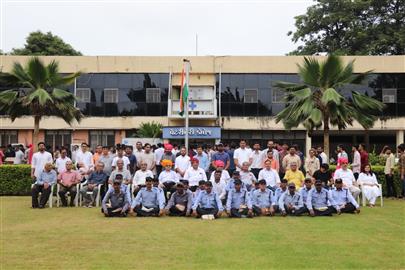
318	101
150	130
35	90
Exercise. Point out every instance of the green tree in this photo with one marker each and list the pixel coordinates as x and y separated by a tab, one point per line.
37	92
347	27
38	43
318	101
150	130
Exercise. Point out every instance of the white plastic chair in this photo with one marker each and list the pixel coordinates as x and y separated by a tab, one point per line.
50	199
364	197
98	197
58	198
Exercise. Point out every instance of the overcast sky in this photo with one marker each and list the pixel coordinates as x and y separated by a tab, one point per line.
156	27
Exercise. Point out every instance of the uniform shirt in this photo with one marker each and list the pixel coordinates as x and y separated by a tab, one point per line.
46	177
124	159
207	200
97	178
304	194
224	176
346	176
39	160
288	159
204	161
117	200
182	163
238	198
107	160
60	164
271	176
182	199
262	199
247	177
231	185
194	176
257	158
140	177
168	176
86	158
296	177
277	194
286	199
149	198
219	188
320	199
341	197
242	155
19	157
68	178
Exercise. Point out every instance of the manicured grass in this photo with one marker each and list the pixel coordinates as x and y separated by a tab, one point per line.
81	238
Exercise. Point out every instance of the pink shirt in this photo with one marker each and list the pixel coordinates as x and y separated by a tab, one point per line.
1	157
68	178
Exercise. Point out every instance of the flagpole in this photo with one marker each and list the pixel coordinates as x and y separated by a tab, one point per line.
187	63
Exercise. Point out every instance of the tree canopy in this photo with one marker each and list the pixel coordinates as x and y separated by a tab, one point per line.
351	27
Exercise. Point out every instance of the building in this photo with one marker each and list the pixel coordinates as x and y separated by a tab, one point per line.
117	94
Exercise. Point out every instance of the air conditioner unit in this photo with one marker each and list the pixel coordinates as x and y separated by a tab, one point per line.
388	99
389	95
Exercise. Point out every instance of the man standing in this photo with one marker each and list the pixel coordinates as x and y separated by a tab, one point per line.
256	157
180	202
322	155
207	203
96	178
158	157
290	158
85	156
262	200
238	203
60	162
182	163
341	152
242	154
132	159
356	164
401	166
39	159
271	147
389	170
363	156
138	151
43	184
203	159
168	154
68	181
344	201
222	156
319	201
97	153
118	202
120	155
19	155
148	201
291	202
347	176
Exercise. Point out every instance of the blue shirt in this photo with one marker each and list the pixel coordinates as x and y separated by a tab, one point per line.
343	196
262	199
117	200
304	193
204	161
208	200
320	199
46	177
231	185
97	178
286	199
132	162
221	156
238	198
277	195
232	163
149	198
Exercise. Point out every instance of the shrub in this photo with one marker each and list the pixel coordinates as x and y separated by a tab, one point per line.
15	180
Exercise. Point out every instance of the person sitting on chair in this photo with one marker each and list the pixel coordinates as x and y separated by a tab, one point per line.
98	177
148	202
68	181
343	199
168	178
368	181
43	184
118	201
194	174
238	203
207	203
180	202
138	181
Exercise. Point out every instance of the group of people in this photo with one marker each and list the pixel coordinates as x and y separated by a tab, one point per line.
201	182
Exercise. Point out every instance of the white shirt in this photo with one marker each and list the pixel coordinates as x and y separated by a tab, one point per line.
356	162
86	158
257	158
247	177
140	177
224	176
19	157
61	163
168	176
194	176
138	154
39	160
124	159
242	155
324	158
346	176
271	176
158	155
219	188
367	179
182	163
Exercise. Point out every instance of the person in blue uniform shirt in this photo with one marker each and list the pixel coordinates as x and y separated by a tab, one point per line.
262	200
118	201
291	203
319	201
149	201
343	199
277	193
305	190
180	202
238	203
207	202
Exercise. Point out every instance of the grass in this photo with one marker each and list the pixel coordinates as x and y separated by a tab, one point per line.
81	238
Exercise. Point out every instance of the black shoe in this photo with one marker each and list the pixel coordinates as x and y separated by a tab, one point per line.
41	207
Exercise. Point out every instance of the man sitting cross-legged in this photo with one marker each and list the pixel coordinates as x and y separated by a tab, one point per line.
319	201
118	201
180	202
344	201
148	202
262	200
291	203
238	203
207	203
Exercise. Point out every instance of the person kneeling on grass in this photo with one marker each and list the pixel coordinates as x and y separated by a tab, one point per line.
149	201
43	184
319	201
291	203
238	203
261	200
207	203
344	201
118	201
180	202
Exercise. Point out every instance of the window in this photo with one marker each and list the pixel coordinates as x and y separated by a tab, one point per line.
389	95
102	137
250	96
152	95
83	95
8	137
277	96
56	138
111	95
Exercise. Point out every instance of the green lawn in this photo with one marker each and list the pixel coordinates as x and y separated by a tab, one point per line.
81	238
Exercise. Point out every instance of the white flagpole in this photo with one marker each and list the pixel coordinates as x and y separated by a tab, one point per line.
187	63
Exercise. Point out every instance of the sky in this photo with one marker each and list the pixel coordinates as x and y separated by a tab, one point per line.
156	27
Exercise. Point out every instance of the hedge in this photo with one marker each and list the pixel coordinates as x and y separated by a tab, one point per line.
16	180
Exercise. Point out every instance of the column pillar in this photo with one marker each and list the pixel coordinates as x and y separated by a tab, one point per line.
308	143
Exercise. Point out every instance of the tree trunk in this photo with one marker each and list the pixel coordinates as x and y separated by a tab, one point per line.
36	133
326	137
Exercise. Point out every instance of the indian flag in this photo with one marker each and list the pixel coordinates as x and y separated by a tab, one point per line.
183	92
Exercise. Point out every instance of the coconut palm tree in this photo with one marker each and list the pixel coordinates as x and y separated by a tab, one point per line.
35	90
150	130
318	102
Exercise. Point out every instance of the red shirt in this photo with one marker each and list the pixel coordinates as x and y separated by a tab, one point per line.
363	160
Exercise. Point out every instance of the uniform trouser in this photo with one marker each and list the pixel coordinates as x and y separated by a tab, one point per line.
238	214
89	198
141	213
296	212
257	210
327	212
45	192
355	191
349	208
255	171
389	179
174	211
207	211
169	187
114	214
62	194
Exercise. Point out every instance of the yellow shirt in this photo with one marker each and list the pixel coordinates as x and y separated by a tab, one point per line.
296	177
